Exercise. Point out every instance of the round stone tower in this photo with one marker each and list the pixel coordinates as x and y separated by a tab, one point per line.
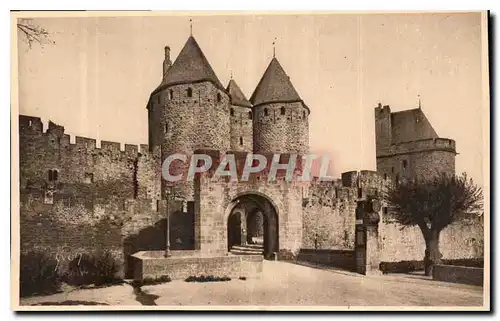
280	122
188	111
241	119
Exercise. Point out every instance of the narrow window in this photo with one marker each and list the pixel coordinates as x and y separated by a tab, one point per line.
385	176
304	114
385	210
166	128
232	112
52	175
397	179
190	92
360	192
405	163
283	110
241	141
249	115
265	111
392	170
171	94
158	97
89	178
219	97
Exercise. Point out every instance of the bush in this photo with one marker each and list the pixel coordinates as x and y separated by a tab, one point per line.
410	266
207	278
401	266
38	274
98	268
152	281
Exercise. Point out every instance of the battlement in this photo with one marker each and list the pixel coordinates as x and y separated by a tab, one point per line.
382	110
33	126
85	142
423	145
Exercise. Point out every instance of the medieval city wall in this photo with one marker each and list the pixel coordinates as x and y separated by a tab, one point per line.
329	223
102	198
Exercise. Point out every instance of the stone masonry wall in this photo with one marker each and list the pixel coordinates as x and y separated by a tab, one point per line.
74	226
215	198
241	129
103	198
281	133
422	158
457	241
191	123
329	217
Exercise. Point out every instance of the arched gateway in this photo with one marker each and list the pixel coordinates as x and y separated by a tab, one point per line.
252	226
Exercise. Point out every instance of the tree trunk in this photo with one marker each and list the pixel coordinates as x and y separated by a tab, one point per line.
432	254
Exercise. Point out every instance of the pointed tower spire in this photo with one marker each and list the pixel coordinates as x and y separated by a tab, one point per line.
191	27
274	86
236	94
190	66
419	102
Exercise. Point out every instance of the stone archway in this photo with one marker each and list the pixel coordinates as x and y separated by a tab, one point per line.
245	211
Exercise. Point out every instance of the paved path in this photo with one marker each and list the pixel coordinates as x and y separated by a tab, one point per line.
284	284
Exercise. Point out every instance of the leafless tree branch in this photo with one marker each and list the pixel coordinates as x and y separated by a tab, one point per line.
32	33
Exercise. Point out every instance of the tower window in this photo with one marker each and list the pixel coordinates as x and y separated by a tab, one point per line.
392	170
219	97
241	141
158	97
304	114
89	178
166	128
52	175
171	94
232	112
283	110
265	112
405	163
249	115
385	176
190	92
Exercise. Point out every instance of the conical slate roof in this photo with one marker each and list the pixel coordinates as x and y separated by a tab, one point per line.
190	66
237	96
274	86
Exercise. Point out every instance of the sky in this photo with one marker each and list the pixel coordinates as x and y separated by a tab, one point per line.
97	77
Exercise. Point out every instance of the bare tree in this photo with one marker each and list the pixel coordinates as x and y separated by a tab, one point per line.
433	204
33	33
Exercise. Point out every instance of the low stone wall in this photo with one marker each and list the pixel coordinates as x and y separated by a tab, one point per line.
458	274
151	266
344	259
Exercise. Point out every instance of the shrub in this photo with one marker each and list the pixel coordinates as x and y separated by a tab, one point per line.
207	278
98	268
401	266
38	274
152	281
410	266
